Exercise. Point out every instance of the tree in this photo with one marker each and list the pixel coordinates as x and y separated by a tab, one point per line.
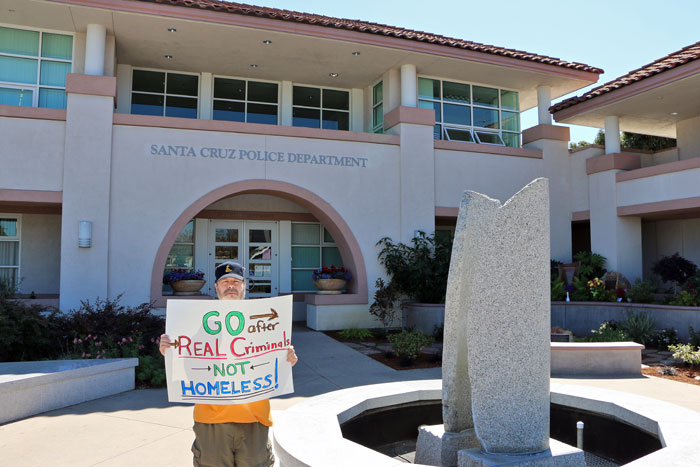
580	144
600	138
637	141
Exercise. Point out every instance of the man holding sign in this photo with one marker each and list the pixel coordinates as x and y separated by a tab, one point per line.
228	357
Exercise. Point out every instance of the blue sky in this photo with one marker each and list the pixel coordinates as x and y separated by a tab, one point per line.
615	35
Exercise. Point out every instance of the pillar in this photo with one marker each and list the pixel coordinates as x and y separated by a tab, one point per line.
544	102
95	49
409	86
286	104
612	135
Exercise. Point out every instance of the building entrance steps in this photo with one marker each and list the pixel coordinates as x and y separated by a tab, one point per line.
142	428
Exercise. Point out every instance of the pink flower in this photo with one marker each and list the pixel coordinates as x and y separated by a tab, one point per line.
97	356
83	355
87	355
123	339
80	341
88	336
75	340
130	339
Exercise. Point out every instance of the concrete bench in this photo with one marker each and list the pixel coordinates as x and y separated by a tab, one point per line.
29	388
596	359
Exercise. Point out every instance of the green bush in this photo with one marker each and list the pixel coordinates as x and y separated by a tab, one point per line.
608	332
409	344
685	298
151	371
686	353
557	290
581	292
592	264
642	291
674	269
661	339
355	334
639	327
28	332
694	337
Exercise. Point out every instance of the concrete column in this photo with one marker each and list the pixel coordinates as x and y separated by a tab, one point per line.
409	86
357	110
391	90
95	49
286	104
544	102
206	95
124	76
86	188
619	239
612	135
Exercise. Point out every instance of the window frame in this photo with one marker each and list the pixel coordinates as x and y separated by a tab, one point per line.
378	127
165	89
321	245
472	129
35	88
321	108
278	104
17	238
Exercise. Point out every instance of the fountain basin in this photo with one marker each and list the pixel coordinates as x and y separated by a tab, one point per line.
310	433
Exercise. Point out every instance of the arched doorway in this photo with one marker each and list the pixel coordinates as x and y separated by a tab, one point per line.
344	239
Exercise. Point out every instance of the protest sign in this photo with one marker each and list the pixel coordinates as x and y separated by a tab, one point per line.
228	351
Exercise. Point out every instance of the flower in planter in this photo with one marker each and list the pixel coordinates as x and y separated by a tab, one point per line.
596	287
331	273
182	275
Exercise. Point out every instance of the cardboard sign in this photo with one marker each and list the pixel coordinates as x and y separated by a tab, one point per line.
228	351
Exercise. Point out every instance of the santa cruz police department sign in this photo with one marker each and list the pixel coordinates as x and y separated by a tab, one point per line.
256	155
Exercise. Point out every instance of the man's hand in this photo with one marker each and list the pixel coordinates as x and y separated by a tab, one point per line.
291	355
165	343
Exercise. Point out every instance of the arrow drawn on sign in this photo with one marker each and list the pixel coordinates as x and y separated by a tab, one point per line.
207	368
252	367
269	316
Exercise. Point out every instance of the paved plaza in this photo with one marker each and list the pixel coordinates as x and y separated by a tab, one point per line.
142	428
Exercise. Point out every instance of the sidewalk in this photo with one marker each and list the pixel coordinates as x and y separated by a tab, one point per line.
141	428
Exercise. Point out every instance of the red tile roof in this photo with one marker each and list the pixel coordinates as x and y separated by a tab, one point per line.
670	61
370	28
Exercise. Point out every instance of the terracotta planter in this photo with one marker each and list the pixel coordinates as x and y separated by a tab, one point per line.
187	287
330	286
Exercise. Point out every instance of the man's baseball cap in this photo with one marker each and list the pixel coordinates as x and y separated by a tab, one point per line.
229	269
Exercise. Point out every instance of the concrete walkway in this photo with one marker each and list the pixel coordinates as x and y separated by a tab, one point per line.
141	428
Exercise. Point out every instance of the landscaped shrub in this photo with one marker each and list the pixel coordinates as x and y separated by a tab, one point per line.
690	293
661	339
592	264
608	332
355	334
557	290
694	337
686	353
581	292
408	345
639	327
642	291
554	268
674	269
28	332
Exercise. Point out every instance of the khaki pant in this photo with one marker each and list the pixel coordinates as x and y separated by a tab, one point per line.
231	445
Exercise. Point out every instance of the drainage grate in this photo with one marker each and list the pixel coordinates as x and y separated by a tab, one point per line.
594	461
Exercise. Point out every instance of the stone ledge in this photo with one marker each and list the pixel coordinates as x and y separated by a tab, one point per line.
596	359
30	388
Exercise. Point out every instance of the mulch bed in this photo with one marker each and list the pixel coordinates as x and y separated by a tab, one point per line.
424	360
684	374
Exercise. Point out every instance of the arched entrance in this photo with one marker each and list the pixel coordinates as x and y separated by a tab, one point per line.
324	212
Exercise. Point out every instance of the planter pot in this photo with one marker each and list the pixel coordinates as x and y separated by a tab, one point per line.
423	317
330	286
187	287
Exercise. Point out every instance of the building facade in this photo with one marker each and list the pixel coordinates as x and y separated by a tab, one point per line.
144	136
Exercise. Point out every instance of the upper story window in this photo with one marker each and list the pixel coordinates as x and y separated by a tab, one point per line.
33	67
320	108
378	108
164	93
9	250
239	100
476	114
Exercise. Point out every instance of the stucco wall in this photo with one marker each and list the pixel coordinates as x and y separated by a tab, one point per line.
40	253
664	238
263	203
32	154
497	176
149	192
670	186
579	177
688	138
660	157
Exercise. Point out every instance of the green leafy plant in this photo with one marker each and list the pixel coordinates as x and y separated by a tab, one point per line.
408	345
675	269
581	291
28	332
608	332
638	326
355	334
642	291
387	302
151	371
591	264
557	290
694	337
685	353
554	268
661	339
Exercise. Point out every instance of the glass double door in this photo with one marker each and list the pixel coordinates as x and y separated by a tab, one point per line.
252	244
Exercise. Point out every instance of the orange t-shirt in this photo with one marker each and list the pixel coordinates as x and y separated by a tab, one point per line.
251	412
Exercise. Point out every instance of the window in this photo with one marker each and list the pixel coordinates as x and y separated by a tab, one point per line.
312	247
33	67
181	255
238	100
378	108
9	249
164	93
471	113
320	108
